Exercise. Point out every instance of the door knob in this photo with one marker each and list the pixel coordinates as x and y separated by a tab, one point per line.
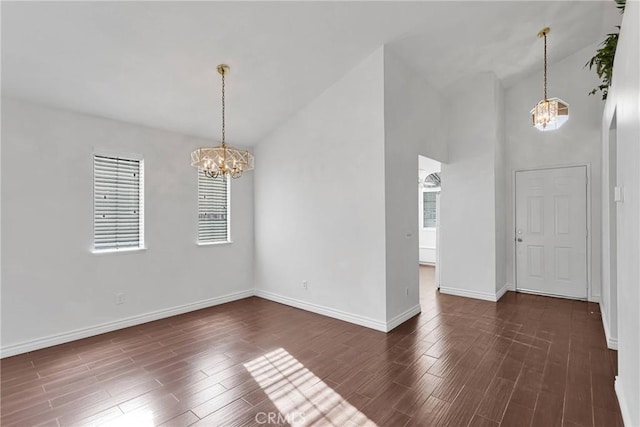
519	239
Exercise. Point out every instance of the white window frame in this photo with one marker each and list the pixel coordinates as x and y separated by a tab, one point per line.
141	239
215	242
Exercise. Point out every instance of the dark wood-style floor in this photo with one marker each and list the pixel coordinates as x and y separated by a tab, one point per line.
526	361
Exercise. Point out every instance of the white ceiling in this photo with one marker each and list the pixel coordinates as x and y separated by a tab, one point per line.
153	63
462	38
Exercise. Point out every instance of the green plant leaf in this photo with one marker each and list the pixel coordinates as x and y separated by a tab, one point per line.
603	59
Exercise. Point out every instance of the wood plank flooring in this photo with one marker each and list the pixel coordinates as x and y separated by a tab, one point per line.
525	361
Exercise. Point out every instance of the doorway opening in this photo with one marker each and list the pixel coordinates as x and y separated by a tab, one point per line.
429	188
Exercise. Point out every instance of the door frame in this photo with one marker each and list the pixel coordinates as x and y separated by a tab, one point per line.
590	296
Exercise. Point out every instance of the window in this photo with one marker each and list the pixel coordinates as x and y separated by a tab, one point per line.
117	203
429	209
213	212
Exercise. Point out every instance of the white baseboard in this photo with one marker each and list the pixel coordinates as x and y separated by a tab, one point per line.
51	340
612	342
486	296
624	407
56	339
325	311
510	287
502	291
403	317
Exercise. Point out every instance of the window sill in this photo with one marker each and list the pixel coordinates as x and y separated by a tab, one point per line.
228	242
117	251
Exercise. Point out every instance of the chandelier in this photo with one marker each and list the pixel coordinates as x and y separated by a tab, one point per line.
549	114
223	159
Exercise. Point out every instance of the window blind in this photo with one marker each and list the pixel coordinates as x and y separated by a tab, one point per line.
213	215
429	206
117	202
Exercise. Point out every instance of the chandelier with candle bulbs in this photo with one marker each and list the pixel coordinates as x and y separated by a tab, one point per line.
223	159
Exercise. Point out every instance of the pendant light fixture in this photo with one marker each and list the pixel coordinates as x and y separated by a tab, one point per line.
223	159
549	113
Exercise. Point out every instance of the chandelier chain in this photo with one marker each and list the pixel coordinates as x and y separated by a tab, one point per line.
545	66
223	110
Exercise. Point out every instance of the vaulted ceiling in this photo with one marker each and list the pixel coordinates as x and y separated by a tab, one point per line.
153	63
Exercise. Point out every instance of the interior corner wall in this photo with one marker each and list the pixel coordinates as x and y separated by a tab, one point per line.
501	196
54	289
413	112
319	202
609	291
577	142
412	126
468	197
624	98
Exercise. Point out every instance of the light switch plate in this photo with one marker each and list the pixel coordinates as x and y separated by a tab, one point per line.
618	195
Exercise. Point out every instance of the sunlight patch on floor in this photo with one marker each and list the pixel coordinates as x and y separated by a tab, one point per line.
142	418
301	397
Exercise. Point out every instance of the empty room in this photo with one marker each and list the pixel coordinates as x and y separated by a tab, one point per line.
209	215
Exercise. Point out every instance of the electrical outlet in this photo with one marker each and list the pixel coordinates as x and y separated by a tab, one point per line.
305	285
120	299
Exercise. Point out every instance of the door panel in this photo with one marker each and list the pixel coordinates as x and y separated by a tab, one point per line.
535	221
551	231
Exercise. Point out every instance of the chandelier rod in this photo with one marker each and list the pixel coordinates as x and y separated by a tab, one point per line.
223	71
543	34
545	81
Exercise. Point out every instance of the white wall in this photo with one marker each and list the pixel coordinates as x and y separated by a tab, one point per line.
426	236
347	224
51	281
500	192
577	142
468	218
624	100
609	293
413	126
319	202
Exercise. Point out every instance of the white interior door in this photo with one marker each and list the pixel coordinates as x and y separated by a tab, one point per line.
551	231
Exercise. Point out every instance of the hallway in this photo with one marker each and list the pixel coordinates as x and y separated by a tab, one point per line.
548	361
